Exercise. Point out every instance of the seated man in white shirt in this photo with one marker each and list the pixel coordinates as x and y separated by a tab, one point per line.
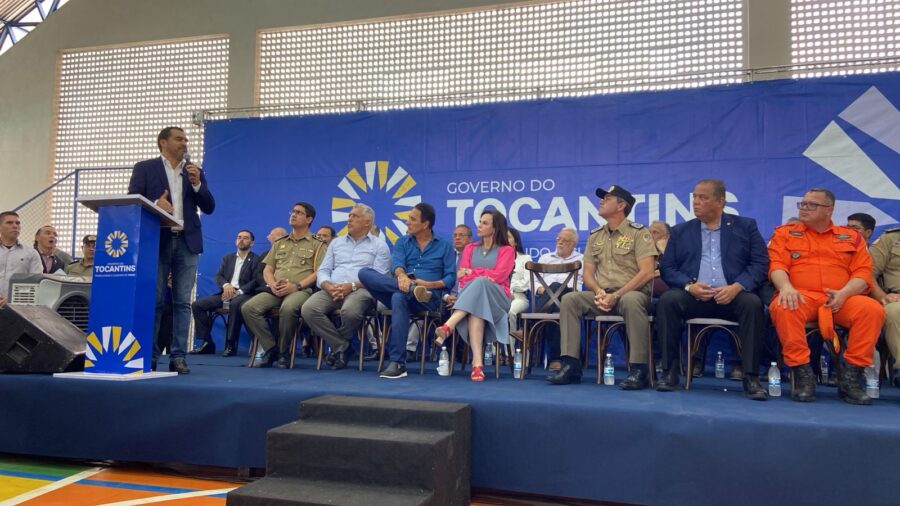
566	240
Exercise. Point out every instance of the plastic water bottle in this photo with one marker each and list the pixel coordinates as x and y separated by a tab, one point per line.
444	362
872	371
823	369
609	371
517	364
488	354
774	380
720	365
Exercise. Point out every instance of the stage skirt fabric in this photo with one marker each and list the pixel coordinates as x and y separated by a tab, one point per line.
486	300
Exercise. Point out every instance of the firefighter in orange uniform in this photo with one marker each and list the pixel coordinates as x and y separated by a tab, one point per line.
822	271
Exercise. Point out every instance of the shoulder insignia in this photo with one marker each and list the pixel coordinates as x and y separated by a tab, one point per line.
636	225
75	262
795	233
843	237
595	230
888	231
282	238
317	238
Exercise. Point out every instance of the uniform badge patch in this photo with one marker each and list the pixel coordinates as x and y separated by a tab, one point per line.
795	233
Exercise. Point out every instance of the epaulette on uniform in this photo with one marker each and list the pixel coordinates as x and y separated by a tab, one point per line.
888	231
595	230
636	225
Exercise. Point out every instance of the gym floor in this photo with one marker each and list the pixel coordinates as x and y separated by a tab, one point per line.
44	482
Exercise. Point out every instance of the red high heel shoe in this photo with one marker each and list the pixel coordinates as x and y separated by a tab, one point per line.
477	373
441	334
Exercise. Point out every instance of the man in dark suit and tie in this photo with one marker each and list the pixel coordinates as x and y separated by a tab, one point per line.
179	187
713	264
236	279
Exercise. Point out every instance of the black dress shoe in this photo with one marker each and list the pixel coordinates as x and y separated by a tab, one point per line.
283	363
410	356
178	365
207	348
343	357
330	357
230	350
753	390
637	379
697	370
372	355
268	358
669	381
568	373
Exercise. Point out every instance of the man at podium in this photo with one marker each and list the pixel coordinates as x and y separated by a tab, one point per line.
177	186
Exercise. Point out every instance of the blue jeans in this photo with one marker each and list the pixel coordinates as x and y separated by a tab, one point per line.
385	289
174	258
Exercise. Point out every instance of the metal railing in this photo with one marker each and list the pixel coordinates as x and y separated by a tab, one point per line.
58	205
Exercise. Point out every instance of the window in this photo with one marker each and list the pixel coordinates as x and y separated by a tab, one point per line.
844	37
112	104
523	52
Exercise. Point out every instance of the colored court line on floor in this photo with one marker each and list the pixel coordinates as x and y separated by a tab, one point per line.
189	495
13	487
50	487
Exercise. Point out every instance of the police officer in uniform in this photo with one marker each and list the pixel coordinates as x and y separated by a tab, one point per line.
290	274
618	264
84	268
886	290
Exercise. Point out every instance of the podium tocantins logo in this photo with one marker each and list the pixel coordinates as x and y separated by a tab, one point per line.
116	243
385	191
111	353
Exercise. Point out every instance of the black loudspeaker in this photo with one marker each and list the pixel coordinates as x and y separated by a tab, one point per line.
35	339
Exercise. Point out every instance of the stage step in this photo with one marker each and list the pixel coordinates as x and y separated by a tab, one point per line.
275	491
362	450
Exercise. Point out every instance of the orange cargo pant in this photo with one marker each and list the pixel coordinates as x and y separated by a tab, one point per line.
862	315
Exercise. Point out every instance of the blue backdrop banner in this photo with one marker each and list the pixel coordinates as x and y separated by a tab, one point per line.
540	161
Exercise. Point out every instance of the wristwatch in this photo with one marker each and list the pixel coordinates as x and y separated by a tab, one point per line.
687	287
299	286
353	286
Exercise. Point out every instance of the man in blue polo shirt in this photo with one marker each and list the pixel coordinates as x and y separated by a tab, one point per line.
423	266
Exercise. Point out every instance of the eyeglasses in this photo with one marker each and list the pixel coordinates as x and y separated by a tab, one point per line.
564	241
812	206
301	213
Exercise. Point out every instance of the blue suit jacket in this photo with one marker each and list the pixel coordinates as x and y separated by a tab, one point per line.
744	256
148	178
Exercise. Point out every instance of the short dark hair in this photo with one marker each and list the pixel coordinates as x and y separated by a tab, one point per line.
164	134
518	239
500	226
867	221
718	187
427	212
252	237
828	194
4	214
466	227
628	205
330	229
308	208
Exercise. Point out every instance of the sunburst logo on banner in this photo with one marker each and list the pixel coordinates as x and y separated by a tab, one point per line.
116	243
111	353
388	193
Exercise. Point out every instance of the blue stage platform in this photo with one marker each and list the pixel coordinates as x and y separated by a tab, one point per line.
706	446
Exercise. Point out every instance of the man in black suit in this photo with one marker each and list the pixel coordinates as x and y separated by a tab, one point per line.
713	265
236	279
179	187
